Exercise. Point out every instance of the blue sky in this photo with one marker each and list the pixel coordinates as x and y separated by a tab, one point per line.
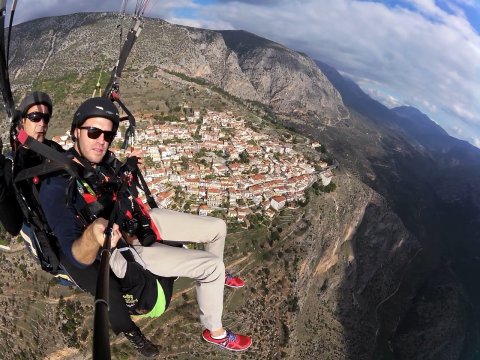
423	53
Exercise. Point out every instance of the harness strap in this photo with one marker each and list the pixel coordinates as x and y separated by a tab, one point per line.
66	163
150	199
42	238
42	169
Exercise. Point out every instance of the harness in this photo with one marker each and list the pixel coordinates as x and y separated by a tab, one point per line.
114	181
39	238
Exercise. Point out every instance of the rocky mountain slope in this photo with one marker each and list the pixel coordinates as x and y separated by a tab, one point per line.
287	81
431	180
381	268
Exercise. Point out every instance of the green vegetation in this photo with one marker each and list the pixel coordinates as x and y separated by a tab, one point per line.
4	236
89	82
318	187
150	70
265	111
160	118
59	87
70	316
244	158
204	82
148	161
245	241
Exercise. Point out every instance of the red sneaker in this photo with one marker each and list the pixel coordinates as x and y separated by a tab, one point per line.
232	342
233	281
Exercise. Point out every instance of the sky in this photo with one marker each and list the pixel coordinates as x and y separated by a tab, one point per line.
422	53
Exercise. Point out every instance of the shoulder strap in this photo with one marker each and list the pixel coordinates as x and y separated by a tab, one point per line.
59	158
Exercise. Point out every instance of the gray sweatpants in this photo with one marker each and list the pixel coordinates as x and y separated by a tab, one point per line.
205	266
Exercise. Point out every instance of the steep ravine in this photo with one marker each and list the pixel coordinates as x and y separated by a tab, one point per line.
351	281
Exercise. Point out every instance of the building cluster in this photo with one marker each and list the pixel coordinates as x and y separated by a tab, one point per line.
213	161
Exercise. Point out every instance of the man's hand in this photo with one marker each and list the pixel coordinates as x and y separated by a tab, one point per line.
138	153
98	228
86	247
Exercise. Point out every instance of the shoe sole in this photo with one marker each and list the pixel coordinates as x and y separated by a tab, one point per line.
234	287
223	347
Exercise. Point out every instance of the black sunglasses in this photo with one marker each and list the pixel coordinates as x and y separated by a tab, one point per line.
94	133
37	116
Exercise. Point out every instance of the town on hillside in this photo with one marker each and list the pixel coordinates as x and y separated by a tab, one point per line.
212	163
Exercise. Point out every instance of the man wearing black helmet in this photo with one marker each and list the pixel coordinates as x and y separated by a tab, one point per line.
93	129
33	116
94	126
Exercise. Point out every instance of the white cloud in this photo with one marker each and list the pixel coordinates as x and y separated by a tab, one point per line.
461	111
458	131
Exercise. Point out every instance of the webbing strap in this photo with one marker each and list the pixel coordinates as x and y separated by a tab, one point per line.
42	169
46	151
150	199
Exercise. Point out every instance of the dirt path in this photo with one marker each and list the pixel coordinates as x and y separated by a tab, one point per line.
62	354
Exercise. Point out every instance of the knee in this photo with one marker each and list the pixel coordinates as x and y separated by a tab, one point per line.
220	228
214	270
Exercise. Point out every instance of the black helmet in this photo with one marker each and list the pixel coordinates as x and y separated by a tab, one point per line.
95	107
34	98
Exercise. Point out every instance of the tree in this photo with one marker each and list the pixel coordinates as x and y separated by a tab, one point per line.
148	161
330	187
184	162
178	193
244	158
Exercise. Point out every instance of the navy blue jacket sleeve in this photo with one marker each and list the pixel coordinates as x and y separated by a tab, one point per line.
11	215
61	217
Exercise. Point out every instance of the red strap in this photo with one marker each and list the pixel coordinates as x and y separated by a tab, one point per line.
22	136
145	212
89	198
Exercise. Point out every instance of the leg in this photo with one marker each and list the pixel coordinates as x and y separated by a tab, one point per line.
86	278
202	266
177	226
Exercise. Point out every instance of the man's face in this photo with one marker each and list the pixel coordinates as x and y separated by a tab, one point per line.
91	142
37	129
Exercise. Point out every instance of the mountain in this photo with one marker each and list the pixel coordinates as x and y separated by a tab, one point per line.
420	123
267	72
431	180
381	268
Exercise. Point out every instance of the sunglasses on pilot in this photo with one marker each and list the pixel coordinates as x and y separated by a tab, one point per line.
37	116
94	133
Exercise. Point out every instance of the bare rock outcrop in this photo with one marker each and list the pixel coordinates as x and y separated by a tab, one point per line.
258	70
